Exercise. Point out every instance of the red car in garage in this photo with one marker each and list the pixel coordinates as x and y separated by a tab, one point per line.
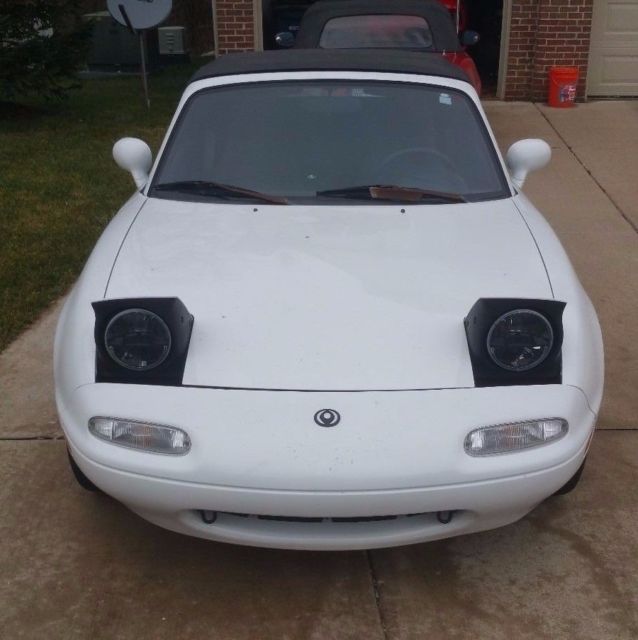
457	8
417	25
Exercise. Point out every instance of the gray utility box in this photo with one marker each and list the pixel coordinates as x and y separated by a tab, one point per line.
171	41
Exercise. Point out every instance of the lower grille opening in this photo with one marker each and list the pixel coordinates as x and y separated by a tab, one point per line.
299	519
210	517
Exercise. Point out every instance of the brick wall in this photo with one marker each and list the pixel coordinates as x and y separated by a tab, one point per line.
543	34
197	17
235	26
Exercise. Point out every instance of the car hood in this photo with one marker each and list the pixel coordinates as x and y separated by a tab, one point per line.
329	297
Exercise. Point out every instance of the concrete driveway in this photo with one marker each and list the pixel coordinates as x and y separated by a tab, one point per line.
74	565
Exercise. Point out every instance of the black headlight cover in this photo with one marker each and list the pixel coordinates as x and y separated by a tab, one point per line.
170	371
479	321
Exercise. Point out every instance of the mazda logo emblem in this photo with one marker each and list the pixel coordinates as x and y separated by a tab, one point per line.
327	418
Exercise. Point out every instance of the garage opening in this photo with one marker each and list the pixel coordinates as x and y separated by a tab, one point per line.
483	16
486	18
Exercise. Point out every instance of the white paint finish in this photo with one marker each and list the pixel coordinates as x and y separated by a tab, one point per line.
392	453
526	156
613	57
326	297
385	440
74	349
135	156
583	358
484	505
339	297
493	504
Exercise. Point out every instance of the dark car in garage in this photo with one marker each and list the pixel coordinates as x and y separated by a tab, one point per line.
416	25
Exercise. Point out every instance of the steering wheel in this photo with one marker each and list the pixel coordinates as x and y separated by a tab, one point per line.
421	167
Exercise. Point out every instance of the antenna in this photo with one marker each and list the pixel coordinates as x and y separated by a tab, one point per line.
138	16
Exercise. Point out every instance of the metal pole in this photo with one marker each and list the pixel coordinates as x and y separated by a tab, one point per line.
143	58
458	14
142	35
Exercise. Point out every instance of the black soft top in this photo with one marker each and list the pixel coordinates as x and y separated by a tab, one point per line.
386	60
435	14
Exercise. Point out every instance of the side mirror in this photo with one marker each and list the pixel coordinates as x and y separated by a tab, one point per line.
468	38
525	156
285	39
135	156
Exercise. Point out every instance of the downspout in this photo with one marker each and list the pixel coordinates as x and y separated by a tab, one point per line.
503	58
215	28
258	26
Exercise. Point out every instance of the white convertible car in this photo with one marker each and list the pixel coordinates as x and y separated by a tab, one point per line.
328	318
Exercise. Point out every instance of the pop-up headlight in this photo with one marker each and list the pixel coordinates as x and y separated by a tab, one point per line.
515	341
141	340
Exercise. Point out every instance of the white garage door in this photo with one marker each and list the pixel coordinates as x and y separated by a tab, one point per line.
613	57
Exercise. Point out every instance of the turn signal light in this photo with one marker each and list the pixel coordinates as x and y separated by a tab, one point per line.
516	436
144	436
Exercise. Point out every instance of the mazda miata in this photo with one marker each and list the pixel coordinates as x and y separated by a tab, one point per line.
328	318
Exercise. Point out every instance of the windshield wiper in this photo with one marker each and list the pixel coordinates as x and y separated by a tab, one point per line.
391	192
218	190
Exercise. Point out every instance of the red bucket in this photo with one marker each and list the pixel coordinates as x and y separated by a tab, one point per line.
562	87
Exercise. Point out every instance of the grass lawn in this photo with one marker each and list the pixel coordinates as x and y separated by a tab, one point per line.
59	186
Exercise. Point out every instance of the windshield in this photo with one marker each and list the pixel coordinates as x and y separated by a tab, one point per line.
317	141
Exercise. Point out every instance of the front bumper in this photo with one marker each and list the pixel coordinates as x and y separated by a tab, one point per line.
394	454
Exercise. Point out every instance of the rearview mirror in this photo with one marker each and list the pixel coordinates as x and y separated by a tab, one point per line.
468	38
525	156
285	39
135	156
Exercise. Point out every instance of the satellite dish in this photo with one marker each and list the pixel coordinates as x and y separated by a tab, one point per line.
139	14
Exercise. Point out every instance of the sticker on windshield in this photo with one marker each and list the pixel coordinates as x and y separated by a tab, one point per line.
445	98
333	92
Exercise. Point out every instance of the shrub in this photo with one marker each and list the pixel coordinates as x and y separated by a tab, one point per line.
43	43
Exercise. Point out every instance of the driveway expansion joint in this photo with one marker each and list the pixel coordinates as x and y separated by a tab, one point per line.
377	595
30	438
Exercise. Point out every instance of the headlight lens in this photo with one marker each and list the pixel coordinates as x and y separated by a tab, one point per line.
520	340
154	438
506	438
137	339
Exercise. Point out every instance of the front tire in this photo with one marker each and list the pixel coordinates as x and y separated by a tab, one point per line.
570	485
82	480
